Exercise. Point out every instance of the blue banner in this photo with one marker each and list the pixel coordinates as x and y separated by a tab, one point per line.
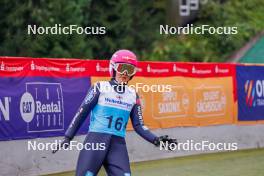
250	90
32	107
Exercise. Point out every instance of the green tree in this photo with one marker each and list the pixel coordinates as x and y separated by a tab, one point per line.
17	15
246	15
129	24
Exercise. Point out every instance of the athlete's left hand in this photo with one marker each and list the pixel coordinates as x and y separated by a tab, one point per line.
165	139
64	144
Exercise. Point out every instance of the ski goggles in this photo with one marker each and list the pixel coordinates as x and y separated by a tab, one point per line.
128	68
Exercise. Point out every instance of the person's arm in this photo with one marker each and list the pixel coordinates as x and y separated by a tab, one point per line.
87	105
138	123
142	130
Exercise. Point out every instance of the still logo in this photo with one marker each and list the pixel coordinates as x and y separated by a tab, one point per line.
254	91
27	107
186	6
41	106
4	108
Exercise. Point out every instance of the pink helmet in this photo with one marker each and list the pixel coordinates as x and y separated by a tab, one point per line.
122	56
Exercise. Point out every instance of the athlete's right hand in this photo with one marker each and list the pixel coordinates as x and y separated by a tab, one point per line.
64	144
165	139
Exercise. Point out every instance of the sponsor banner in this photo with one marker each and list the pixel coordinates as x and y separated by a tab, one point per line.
40	96
99	68
13	66
250	84
190	101
32	107
22	67
164	69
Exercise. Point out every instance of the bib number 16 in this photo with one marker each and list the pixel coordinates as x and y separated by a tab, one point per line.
117	124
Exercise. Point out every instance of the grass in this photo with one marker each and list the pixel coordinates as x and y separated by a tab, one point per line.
238	163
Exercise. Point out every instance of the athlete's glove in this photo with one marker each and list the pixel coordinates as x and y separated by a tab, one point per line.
64	144
164	139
